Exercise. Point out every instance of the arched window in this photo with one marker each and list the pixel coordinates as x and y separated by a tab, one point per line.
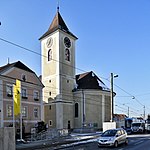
76	110
49	55
67	54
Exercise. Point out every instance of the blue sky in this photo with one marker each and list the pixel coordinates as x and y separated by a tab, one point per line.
114	36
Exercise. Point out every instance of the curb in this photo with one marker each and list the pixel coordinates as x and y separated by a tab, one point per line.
56	143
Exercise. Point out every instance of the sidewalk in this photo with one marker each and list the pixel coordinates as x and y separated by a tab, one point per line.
59	143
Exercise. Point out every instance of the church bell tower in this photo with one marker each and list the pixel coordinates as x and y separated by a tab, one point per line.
58	73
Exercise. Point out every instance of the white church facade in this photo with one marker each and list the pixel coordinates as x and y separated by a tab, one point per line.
70	100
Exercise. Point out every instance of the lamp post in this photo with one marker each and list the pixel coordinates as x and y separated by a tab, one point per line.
128	109
142	105
112	76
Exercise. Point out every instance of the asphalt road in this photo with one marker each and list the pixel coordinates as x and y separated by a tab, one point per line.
136	142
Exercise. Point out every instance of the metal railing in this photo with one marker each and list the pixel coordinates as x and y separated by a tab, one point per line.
49	134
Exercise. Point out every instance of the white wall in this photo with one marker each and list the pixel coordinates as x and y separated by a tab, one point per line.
108	125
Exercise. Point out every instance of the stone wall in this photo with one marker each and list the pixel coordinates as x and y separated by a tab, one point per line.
7	138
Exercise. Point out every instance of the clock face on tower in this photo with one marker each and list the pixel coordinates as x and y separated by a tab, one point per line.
49	42
67	42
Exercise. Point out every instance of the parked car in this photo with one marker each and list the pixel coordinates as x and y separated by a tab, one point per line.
113	137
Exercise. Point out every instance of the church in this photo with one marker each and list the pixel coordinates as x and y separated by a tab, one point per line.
70	101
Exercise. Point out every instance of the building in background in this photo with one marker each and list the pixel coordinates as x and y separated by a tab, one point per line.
31	95
92	101
120	120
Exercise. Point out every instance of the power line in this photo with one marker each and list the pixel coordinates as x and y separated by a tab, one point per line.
29	50
131	108
65	93
17	45
69	94
22	47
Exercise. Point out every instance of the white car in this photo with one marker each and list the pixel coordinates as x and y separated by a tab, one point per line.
113	137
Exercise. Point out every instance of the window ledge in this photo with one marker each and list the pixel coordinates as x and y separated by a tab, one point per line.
36	99
9	95
23	97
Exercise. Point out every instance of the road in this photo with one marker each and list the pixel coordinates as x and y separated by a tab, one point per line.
136	142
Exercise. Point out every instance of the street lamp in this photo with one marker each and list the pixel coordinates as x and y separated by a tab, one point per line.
112	76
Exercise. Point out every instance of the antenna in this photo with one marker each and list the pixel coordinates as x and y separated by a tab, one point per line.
57	5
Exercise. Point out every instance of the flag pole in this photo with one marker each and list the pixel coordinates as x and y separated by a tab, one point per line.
13	105
19	92
20	120
18	86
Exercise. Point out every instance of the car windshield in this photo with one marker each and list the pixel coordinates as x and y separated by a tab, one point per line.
136	124
109	133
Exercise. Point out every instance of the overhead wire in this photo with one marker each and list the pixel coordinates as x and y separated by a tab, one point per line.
76	97
88	100
29	50
133	110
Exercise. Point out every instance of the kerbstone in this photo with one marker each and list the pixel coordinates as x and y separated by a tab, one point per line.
7	138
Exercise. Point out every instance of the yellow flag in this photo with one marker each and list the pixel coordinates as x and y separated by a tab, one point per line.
17	97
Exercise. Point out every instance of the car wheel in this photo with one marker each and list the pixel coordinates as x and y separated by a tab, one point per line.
116	144
126	142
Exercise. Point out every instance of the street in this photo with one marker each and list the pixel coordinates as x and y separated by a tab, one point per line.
136	142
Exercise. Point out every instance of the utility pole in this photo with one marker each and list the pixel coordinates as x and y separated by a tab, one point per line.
112	97
144	112
112	94
83	121
128	111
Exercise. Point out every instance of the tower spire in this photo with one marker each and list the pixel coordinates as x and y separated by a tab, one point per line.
57	23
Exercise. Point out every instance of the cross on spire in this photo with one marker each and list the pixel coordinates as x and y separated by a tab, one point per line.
57	5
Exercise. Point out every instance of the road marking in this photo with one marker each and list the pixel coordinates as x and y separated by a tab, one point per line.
138	142
139	135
